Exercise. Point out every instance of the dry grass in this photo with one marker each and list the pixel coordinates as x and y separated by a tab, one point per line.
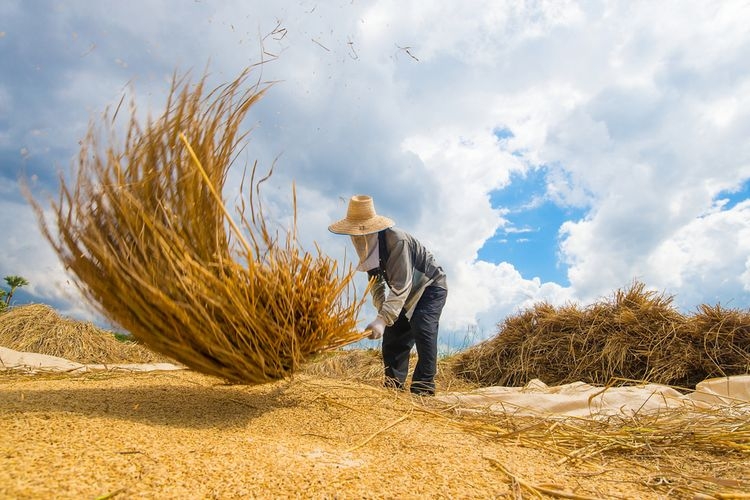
355	364
147	235
656	446
180	434
723	337
677	453
681	453
367	366
39	328
636	335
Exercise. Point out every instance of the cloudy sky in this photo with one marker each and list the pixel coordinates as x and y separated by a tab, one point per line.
543	150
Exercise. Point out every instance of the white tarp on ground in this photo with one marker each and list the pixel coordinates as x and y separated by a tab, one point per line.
33	362
579	399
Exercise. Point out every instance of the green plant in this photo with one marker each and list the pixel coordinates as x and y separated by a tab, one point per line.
123	337
13	282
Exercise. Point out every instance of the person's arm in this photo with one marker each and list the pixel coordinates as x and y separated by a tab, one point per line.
378	292
399	271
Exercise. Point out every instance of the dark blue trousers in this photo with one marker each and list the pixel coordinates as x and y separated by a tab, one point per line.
421	330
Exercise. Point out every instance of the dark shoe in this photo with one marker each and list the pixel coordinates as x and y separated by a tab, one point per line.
419	389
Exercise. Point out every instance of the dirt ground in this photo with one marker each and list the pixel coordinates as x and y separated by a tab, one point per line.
185	435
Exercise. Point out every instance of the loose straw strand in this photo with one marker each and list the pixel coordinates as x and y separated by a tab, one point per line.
216	195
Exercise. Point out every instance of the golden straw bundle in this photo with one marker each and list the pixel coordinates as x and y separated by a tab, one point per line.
723	335
39	328
636	335
147	235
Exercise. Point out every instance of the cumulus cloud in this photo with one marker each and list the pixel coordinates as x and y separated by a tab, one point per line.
637	112
26	255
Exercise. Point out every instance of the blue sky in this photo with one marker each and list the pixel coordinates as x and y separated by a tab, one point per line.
734	196
530	239
542	150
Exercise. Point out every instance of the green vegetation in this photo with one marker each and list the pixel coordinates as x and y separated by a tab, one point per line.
13	282
124	337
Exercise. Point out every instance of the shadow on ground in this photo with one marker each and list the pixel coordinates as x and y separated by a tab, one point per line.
147	399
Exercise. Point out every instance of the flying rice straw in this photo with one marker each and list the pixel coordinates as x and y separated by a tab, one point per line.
144	232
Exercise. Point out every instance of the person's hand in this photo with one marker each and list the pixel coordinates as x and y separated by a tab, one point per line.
377	327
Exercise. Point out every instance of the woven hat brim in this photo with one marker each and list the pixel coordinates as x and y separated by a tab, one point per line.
359	228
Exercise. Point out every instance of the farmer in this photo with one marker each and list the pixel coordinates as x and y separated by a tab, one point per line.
409	313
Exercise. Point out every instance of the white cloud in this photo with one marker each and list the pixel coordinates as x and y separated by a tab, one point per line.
639	111
458	219
26	254
706	259
475	34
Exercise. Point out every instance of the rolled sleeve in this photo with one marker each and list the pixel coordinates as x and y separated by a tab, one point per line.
399	271
378	292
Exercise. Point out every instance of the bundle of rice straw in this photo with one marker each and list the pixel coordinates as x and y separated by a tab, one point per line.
152	246
39	328
634	335
723	337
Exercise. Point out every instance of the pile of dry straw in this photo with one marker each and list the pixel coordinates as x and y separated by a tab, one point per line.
636	335
39	328
146	233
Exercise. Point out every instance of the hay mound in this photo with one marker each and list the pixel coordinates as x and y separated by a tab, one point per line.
152	245
38	328
355	364
636	335
723	337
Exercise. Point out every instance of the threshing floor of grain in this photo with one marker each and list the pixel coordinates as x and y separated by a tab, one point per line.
184	435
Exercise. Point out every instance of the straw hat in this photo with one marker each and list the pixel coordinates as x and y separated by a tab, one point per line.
361	218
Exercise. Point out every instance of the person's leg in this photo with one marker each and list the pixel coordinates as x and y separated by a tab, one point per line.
424	327
397	343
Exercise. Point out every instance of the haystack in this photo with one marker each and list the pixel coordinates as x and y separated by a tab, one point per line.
151	244
723	337
39	328
363	365
635	335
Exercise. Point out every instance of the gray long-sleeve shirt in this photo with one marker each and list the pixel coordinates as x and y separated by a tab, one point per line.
410	268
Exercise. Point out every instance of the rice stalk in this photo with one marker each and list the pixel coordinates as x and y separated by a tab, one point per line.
641	441
723	336
537	490
144	230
